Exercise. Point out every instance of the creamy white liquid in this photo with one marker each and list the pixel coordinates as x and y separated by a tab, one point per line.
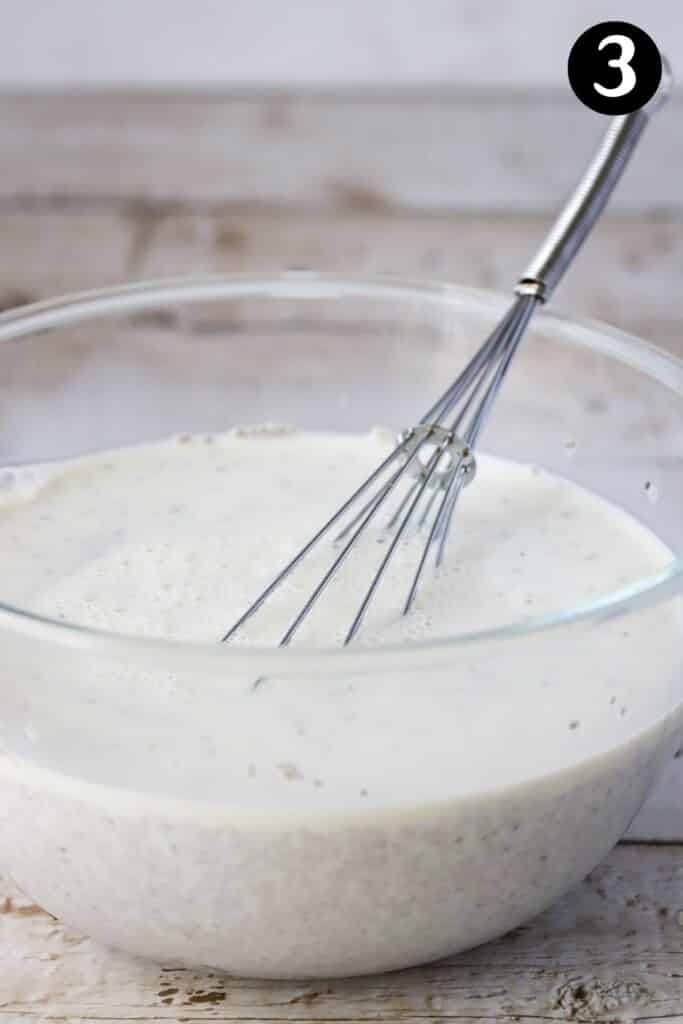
174	540
321	823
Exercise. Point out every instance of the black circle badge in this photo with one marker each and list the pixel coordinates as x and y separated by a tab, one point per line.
614	67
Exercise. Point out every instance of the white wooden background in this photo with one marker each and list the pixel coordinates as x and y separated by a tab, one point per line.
97	188
464	43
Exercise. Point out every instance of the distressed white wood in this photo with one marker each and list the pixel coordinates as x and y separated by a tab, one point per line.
395	41
612	950
424	150
628	274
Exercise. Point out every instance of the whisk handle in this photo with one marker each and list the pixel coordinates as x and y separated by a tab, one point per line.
585	204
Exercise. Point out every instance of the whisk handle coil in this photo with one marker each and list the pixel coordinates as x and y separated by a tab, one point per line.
585	204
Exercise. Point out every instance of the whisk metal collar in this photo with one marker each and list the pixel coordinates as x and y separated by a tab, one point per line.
457	456
436	454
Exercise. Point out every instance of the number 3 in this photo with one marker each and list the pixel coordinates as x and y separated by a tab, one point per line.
628	75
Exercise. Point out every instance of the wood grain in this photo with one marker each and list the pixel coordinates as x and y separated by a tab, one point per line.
433	150
611	950
347	42
628	274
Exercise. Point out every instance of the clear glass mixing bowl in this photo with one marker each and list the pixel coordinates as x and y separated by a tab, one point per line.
114	750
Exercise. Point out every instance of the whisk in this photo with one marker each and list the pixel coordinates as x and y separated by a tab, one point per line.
438	452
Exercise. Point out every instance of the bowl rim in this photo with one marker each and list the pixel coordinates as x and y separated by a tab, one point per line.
628	349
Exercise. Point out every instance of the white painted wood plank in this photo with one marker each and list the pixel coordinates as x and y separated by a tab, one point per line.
345	42
431	151
628	274
611	950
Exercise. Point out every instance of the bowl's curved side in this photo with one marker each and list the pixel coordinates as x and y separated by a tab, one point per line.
342	895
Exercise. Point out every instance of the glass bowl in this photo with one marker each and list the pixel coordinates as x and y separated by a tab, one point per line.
443	822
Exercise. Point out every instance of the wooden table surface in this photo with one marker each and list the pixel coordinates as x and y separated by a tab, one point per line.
99	190
611	950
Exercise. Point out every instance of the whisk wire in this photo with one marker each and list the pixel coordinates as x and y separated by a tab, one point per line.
401	506
525	307
444	524
449	463
479	383
370	593
450	396
516	319
519	319
300	555
427	546
428	508
341	557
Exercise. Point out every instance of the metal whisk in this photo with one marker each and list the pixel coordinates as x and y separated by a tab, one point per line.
439	451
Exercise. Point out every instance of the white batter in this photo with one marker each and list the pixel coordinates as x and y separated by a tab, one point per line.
323	823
